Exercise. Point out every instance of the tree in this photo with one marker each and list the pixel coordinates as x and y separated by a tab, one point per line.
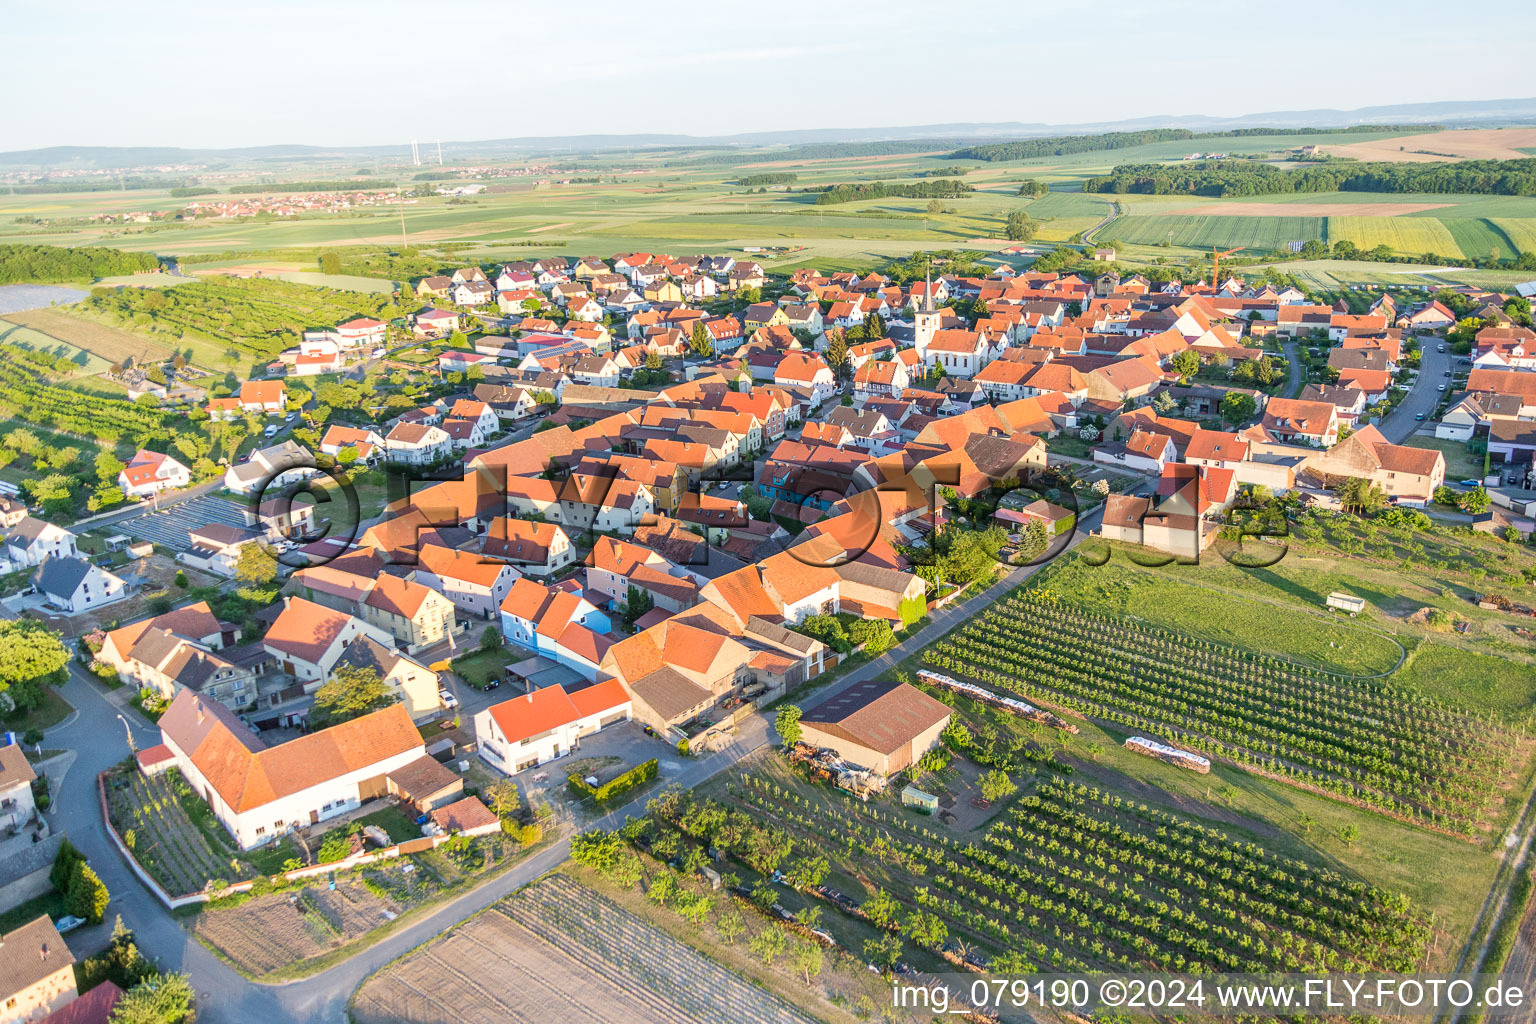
86	896
1474	502
108	466
1165	404
491	639
730	926
788	724
64	863
352	691
1361	496
884	951
1237	407
881	908
925	929
1186	363
160	999
1019	227
936	207
837	351
256	566
1350	834
653	361
701	341
768	944
31	656
807	958
996	785
330	263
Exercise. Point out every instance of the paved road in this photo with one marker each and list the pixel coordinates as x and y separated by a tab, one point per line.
1399	425
1293	385
99	739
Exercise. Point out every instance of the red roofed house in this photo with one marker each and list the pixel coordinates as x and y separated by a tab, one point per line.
364	332
547	723
807	370
262	396
150	472
258	792
1408	475
1291	419
307	639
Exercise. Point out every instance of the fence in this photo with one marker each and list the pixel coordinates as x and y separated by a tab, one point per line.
357	860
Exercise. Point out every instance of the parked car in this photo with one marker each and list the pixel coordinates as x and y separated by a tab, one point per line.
448	699
271	431
1471	483
1419	417
68	923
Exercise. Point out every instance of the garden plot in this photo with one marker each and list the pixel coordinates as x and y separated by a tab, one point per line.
149	815
555	952
283	928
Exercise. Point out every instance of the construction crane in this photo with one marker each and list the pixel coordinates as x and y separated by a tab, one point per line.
1216	266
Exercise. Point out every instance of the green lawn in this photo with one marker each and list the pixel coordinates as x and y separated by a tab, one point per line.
1480	682
479	668
1459	465
50	712
1160	598
394	821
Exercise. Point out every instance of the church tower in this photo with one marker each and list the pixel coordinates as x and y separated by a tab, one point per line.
926	319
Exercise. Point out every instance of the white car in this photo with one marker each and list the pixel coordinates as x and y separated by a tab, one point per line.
272	431
448	699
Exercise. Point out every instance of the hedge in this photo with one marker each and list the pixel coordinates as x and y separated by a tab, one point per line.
618	786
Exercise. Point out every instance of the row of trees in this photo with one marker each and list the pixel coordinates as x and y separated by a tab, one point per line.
45	263
938	188
1063	145
1251	178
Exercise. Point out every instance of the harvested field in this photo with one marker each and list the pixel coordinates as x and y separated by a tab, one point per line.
109	343
555	952
283	928
1474	144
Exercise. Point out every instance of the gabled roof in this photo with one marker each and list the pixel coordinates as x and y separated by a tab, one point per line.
305	630
878	714
247	774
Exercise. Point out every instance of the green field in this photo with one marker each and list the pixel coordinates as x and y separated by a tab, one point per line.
1400	234
1264	233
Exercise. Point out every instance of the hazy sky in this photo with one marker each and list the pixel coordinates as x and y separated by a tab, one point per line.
373	72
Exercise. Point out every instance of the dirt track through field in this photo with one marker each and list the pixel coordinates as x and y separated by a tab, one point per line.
1303	209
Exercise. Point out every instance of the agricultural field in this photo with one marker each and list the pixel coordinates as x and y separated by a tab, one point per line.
558	951
1366	742
257	317
108	344
1066	876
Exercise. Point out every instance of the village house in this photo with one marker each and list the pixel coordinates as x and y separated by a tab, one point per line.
547	723
152	472
28	541
415	615
259	793
39	974
475	585
417	444
74	585
306	639
537	549
263	397
271	469
216	547
1291	419
1409	476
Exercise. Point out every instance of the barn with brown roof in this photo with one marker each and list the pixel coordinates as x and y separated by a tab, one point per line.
877	724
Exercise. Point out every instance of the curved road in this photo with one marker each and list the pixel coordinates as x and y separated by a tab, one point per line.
97	736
